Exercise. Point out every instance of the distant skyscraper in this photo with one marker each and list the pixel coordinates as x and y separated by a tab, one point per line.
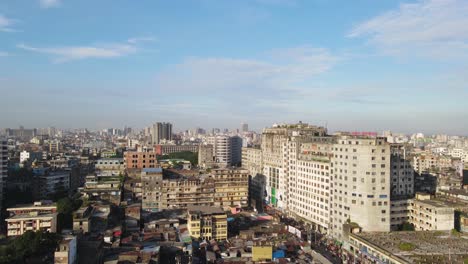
161	131
245	127
3	167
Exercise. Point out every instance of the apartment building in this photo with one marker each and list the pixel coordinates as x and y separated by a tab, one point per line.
360	189
430	214
52	182
40	216
102	188
309	175
67	250
275	160
140	159
425	162
252	161
110	166
206	157
152	183
207	222
185	192
168	149
227	150
231	187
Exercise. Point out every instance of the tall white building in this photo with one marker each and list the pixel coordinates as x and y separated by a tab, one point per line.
360	184
227	150
309	177
275	161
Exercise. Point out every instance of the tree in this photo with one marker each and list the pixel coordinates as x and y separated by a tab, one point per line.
30	244
406	227
65	207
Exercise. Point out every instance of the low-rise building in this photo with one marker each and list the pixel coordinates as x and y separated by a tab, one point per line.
40	216
207	222
110	166
66	252
82	219
426	214
231	187
140	159
168	149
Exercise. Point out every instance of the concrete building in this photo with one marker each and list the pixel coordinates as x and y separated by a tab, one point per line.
168	149
245	127
21	133
110	166
252	161
227	150
310	179
206	156
161	132
426	162
360	190
38	216
82	219
405	247
430	214
140	159
274	158
30	155
55	146
3	168
52	182
66	252
152	183
102	188
231	187
207	222
401	171
187	191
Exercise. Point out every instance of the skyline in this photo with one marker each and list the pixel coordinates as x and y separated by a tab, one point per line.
386	65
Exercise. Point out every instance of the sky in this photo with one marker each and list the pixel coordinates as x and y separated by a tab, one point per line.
360	65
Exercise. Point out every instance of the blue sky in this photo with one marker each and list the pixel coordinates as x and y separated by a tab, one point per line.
353	65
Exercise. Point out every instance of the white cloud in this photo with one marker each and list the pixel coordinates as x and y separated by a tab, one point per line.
70	53
4	54
247	85
429	28
49	3
6	23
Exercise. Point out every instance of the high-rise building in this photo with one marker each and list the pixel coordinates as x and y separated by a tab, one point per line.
275	161
244	127
310	180
360	190
3	168
161	132
226	150
402	172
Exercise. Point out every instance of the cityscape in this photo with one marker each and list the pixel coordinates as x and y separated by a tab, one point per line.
231	132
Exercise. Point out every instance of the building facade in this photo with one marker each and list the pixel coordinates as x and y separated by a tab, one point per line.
207	222
3	168
40	216
140	159
360	190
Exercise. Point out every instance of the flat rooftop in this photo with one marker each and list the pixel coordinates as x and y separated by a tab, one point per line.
205	209
430	246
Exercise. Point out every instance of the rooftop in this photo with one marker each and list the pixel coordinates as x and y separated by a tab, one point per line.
429	246
205	209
